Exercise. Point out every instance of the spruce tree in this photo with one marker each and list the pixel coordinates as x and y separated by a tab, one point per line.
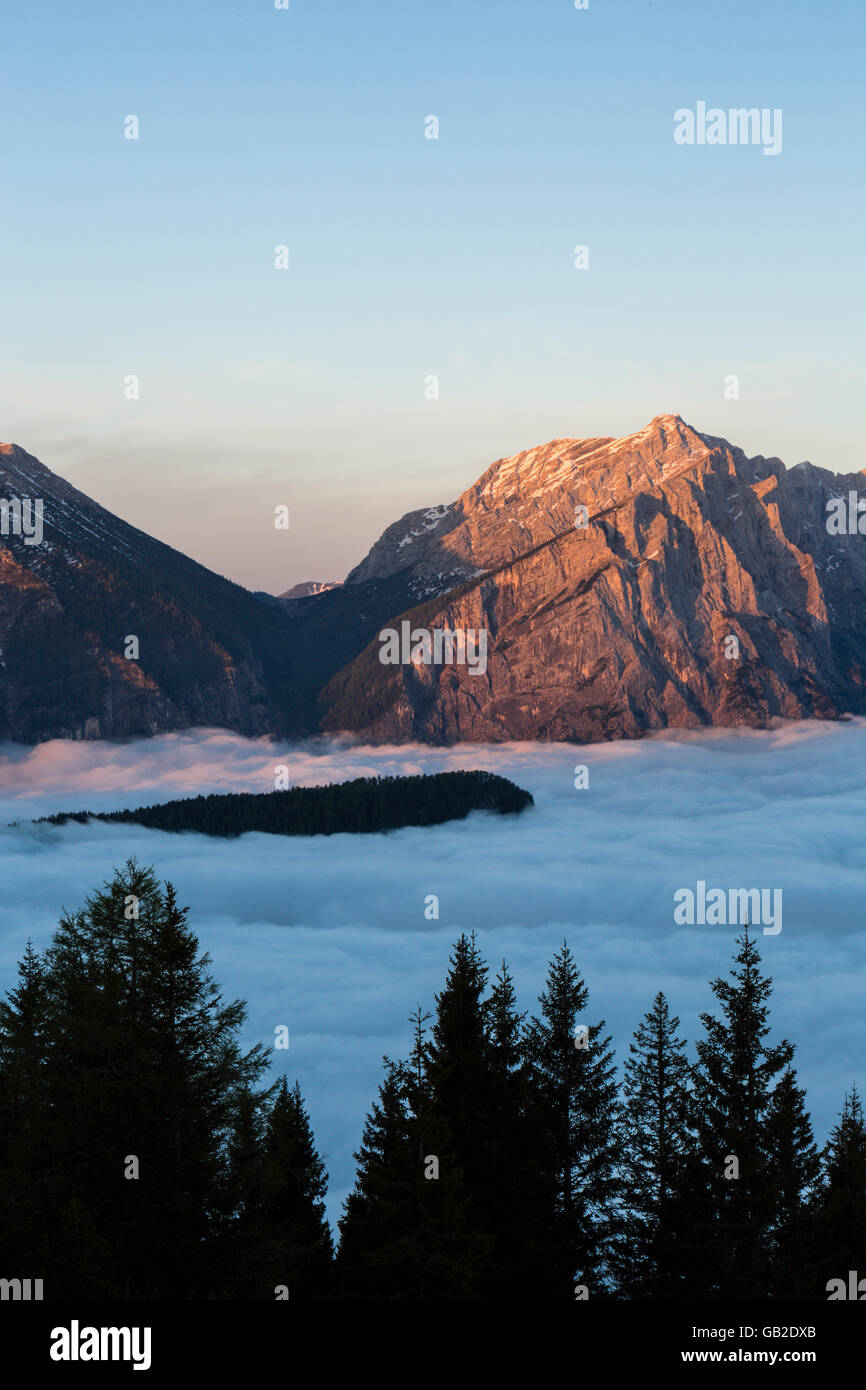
379	1224
485	1124
462	1095
728	1195
25	1156
841	1204
523	1178
403	1235
194	1071
238	1244
454	1189
505	1025
140	1070
574	1078
299	1253
656	1134
794	1164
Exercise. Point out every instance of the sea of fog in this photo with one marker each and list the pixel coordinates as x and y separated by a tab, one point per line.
328	935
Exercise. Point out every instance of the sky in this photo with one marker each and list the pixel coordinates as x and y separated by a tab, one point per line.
327	935
412	257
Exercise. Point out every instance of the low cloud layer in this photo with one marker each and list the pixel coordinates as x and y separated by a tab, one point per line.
328	935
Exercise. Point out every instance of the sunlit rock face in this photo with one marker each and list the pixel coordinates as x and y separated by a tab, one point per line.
705	588
621	585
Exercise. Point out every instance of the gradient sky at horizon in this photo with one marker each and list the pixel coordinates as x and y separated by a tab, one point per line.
412	257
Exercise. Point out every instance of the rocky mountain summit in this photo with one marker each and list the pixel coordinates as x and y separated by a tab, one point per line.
622	585
522	501
704	588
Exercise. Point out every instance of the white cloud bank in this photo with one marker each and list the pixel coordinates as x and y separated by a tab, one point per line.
327	935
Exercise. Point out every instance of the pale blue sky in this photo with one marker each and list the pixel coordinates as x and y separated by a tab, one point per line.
412	257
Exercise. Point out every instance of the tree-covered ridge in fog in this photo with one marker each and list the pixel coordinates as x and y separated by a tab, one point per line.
142	1157
362	806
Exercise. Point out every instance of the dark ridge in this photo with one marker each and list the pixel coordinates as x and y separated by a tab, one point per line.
366	805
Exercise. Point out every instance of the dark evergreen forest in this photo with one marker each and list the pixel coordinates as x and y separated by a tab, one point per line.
362	806
143	1154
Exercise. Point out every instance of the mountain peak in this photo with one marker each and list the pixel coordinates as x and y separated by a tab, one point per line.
525	499
706	589
663	427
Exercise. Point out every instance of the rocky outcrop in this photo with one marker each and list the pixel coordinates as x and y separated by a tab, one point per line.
521	501
706	588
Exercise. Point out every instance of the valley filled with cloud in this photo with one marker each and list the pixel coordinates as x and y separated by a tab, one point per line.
328	935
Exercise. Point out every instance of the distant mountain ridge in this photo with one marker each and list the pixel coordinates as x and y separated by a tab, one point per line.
209	651
604	630
307	588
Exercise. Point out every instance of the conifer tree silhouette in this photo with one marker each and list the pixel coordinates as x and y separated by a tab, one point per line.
574	1076
656	1127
